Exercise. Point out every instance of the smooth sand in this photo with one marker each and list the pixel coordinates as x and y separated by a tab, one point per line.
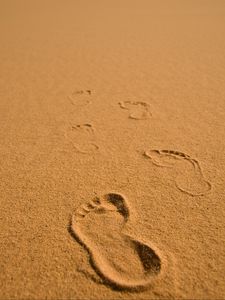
112	153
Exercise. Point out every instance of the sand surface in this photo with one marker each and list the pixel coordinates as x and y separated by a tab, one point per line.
112	153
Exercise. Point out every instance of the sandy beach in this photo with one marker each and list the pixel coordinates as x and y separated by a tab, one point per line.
112	153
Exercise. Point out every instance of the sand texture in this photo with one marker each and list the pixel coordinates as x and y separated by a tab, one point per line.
112	153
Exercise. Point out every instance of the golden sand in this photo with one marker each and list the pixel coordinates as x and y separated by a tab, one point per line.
112	129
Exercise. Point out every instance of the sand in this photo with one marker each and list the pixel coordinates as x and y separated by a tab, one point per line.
112	130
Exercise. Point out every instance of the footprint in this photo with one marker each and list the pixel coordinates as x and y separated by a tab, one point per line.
186	170
137	110
80	98
82	138
122	261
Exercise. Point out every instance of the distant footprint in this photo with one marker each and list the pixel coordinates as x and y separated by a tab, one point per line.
186	170
82	138
121	261
138	110
80	98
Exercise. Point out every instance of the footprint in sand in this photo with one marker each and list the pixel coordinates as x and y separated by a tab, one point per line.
82	138
137	110
80	98
121	261
185	170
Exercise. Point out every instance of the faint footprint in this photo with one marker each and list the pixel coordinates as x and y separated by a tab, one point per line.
83	138
80	97
137	110
186	170
122	261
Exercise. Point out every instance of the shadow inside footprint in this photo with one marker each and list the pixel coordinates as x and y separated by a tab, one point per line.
122	261
150	260
118	201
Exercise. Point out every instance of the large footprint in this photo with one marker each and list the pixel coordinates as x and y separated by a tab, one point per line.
138	110
186	170
82	138
122	261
